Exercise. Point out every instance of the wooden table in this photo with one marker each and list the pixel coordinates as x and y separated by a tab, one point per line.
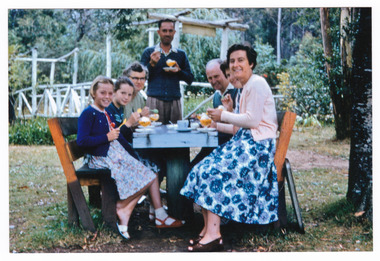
177	150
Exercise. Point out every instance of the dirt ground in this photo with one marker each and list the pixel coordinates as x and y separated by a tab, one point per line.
145	237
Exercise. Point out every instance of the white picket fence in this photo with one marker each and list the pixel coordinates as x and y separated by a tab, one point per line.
66	100
56	100
61	100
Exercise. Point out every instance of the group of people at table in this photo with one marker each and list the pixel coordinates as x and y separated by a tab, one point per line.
235	181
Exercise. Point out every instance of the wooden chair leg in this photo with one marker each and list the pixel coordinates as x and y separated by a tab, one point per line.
81	205
109	199
94	196
72	213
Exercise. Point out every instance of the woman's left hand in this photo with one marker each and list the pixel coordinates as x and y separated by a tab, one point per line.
215	114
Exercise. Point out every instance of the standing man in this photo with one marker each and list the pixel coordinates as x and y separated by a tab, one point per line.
222	87
138	75
163	84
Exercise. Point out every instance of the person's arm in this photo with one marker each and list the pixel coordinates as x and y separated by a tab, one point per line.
185	72
145	59
85	124
255	99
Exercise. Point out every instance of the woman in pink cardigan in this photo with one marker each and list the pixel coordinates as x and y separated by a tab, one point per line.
238	180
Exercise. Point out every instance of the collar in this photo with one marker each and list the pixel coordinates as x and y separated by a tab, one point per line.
97	108
157	47
229	87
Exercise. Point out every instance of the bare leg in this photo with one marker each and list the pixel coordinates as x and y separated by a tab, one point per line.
203	231
212	227
124	208
162	218
154	191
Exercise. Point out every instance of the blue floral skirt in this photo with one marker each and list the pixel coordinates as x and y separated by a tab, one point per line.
237	181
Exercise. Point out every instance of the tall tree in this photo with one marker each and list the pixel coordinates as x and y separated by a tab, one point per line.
339	89
360	169
279	36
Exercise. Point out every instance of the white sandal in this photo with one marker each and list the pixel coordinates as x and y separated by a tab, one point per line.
123	231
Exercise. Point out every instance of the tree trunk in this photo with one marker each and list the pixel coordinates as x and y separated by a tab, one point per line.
279	36
360	169
339	93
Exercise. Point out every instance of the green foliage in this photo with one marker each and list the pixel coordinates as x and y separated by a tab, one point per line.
305	90
191	100
16	69
30	132
266	62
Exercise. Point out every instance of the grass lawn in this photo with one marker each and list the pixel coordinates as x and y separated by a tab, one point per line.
38	210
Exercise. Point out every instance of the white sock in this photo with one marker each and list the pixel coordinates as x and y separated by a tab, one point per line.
161	215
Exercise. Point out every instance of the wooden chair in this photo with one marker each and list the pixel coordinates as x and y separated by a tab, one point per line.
97	180
286	122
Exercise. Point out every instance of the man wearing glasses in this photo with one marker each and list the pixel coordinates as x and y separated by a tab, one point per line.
138	75
167	67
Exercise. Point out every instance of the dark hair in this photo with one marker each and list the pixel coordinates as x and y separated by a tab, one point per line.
251	53
123	80
165	21
223	67
136	67
96	81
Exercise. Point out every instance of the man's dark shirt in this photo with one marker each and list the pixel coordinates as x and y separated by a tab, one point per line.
165	85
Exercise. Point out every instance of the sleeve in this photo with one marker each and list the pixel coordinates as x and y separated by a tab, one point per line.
127	133
254	109
145	58
225	128
185	73
85	125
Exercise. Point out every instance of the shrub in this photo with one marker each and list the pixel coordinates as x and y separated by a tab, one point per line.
304	85
30	132
266	63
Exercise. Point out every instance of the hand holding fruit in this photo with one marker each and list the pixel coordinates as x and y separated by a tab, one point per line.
113	134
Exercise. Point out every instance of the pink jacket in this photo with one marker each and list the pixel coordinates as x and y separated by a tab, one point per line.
257	111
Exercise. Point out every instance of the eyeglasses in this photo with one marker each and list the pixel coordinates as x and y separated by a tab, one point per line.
138	79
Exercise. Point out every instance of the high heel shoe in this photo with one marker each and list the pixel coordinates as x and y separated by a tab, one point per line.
195	241
213	246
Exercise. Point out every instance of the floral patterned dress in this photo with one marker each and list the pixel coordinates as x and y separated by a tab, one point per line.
130	174
237	181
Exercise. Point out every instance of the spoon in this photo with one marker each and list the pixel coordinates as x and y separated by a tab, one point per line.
124	121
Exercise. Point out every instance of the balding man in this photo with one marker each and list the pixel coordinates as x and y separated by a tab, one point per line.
219	82
222	87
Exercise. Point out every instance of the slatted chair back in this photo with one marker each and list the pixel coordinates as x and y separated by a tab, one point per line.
286	120
68	151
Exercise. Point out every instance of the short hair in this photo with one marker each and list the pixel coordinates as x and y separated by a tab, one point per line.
123	80
136	67
213	61
96	81
167	20
251	53
223	67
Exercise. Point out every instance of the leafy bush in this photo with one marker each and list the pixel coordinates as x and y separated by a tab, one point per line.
30	132
266	62
304	85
